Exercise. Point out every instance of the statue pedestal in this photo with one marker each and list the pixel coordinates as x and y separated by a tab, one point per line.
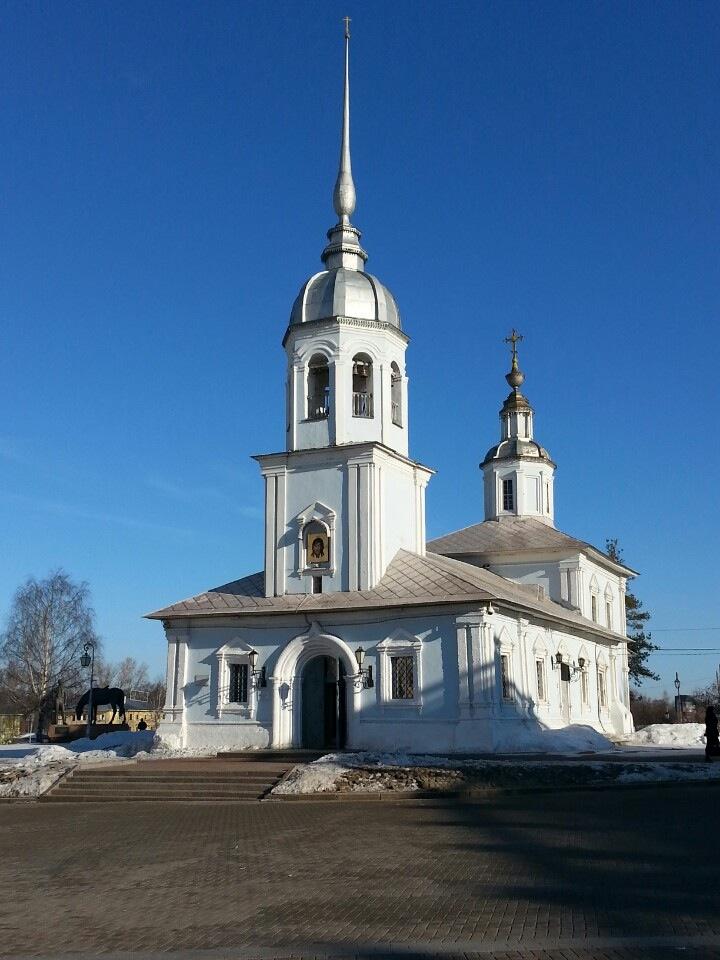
75	730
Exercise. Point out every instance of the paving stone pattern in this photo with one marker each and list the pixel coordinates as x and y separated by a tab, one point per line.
552	877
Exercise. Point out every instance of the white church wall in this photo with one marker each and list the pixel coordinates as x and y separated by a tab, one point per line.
608	590
434	720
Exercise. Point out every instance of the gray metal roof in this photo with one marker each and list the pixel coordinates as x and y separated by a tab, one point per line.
410	580
516	535
345	293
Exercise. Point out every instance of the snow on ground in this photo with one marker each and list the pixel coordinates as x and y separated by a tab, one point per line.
30	771
680	735
528	737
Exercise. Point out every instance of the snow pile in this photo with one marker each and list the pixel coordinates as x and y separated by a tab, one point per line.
662	772
320	776
32	775
528	737
669	735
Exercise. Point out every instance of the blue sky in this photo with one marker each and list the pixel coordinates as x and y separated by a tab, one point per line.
166	173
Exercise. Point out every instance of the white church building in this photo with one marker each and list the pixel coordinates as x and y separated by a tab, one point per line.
357	633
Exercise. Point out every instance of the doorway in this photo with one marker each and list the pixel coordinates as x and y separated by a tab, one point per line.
324	713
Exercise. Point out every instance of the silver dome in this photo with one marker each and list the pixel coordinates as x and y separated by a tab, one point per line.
516	448
345	293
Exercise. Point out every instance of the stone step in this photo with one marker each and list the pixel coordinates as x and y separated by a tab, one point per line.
172	778
200	781
255	788
169	792
59	797
277	756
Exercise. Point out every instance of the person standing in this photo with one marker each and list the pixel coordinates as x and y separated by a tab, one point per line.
712	744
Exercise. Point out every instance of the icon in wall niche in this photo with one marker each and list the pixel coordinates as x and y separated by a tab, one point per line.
317	547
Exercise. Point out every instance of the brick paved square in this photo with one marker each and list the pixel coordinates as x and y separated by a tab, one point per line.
576	874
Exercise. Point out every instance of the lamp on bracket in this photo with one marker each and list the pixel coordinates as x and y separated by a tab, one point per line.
568	671
365	678
258	676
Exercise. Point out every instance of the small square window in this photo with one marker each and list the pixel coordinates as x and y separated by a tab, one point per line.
317	584
238	692
402	683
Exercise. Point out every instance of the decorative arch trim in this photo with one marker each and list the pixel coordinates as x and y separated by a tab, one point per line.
286	683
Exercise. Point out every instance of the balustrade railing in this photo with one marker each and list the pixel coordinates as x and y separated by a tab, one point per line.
318	407
362	404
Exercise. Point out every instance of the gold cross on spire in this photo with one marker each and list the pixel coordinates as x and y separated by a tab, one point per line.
514	339
346	21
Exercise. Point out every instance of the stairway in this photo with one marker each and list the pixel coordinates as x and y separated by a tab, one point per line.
189	780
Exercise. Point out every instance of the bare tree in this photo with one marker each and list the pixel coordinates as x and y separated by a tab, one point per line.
49	622
128	674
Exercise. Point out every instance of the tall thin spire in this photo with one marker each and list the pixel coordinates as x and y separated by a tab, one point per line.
344	193
344	248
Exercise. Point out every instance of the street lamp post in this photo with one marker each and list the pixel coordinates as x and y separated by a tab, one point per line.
88	660
678	704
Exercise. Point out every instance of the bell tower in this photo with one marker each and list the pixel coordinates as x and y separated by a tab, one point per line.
344	497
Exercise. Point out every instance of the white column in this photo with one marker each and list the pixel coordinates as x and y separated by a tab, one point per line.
352	526
383	396
341	412
279	524
297	401
464	655
270	539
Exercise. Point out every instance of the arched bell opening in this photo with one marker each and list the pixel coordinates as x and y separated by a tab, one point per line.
396	394
362	375
318	388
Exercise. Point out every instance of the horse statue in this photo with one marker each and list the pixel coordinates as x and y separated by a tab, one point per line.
103	696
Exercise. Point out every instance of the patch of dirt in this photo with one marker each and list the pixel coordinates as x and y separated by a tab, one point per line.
484	777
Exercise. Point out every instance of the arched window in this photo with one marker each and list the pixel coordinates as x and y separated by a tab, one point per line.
608	608
318	388
362	398
396	394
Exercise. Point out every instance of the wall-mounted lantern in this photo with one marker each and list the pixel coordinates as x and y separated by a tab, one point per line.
365	679
568	671
258	676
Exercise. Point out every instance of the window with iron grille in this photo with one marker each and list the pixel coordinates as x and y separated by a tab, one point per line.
403	687
602	694
505	677
508	494
540	668
238	683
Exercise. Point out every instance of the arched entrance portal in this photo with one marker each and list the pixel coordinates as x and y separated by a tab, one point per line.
324	710
293	690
